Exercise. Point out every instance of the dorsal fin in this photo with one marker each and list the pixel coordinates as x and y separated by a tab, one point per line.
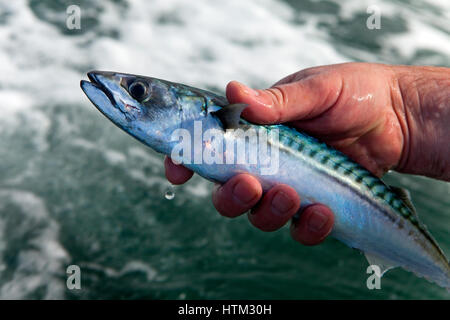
405	196
230	114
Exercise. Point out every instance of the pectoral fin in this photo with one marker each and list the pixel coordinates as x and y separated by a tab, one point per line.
229	115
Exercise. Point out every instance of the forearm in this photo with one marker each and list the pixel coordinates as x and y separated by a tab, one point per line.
424	115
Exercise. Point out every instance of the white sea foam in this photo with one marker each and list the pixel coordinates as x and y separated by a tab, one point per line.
427	23
114	157
40	61
207	44
140	154
200	188
148	181
40	257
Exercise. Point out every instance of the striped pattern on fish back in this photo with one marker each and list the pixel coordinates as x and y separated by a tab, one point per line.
295	141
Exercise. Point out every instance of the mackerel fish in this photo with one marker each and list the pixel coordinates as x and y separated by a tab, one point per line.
370	216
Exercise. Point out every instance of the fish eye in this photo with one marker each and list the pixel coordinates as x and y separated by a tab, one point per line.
138	90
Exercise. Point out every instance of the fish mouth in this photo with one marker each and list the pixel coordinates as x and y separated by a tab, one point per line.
105	91
96	87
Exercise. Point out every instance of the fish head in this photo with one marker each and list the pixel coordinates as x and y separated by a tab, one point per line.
149	109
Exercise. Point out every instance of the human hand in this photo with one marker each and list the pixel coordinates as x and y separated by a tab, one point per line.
368	111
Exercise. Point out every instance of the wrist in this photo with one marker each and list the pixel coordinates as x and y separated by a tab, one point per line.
423	108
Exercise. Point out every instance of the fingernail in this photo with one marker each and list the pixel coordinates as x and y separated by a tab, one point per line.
316	221
243	194
281	203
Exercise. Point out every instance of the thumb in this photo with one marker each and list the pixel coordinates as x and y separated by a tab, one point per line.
303	99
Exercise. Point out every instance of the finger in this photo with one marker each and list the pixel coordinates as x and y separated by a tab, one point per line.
296	76
276	208
314	225
303	99
237	195
175	173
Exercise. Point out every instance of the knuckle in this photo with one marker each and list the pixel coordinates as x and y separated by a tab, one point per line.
280	100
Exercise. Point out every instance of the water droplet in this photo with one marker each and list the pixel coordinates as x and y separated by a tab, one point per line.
170	194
